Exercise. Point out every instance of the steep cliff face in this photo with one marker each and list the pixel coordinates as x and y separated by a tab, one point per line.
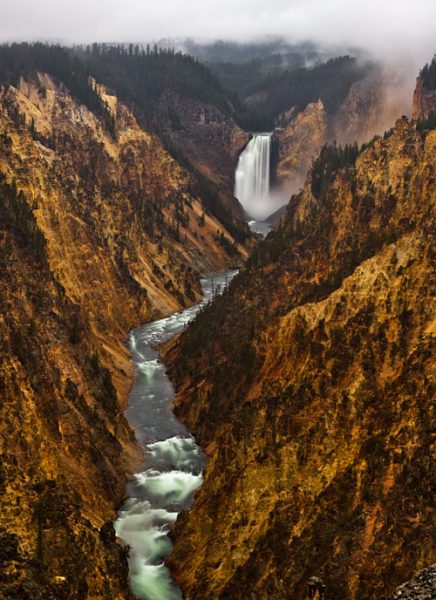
312	393
209	138
302	138
424	99
116	208
371	106
65	447
100	230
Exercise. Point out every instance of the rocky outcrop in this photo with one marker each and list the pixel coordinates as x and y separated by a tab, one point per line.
300	140
312	393
421	587
424	100
371	107
206	136
100	230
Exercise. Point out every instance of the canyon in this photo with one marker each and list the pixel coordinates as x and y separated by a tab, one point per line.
312	395
307	382
101	230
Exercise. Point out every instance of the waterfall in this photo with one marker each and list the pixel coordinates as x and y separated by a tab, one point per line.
252	178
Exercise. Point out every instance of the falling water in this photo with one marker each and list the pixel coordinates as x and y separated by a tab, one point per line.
173	465
252	178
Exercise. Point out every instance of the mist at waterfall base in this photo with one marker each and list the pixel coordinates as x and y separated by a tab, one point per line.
173	465
252	181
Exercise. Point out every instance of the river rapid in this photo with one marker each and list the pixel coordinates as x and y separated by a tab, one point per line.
173	463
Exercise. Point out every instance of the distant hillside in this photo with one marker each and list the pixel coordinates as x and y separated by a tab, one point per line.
268	87
222	51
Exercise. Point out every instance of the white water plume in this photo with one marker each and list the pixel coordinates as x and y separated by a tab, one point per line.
171	488
179	452
252	178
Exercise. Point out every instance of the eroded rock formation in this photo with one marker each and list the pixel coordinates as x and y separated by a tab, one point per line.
420	587
424	99
371	107
100	230
312	393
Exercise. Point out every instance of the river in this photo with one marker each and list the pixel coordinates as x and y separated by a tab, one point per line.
173	463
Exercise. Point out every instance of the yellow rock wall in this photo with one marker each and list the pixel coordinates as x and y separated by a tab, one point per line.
313	396
100	231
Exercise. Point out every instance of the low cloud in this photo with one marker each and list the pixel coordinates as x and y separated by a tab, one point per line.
395	29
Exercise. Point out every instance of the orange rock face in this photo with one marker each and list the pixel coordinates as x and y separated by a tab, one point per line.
99	232
312	394
299	142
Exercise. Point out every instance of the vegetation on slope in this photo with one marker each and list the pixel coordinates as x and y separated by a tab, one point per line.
279	91
58	407
314	377
242	76
22	60
140	76
227	52
325	167
428	75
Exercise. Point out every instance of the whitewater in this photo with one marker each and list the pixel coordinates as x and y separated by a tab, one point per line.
253	182
173	462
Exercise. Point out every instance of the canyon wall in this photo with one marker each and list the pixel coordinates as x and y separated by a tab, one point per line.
100	230
311	395
372	105
210	141
207	136
424	99
65	447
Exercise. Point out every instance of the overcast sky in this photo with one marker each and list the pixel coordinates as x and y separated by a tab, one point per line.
387	26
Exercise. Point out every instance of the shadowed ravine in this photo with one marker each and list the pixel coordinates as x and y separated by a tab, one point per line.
173	464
